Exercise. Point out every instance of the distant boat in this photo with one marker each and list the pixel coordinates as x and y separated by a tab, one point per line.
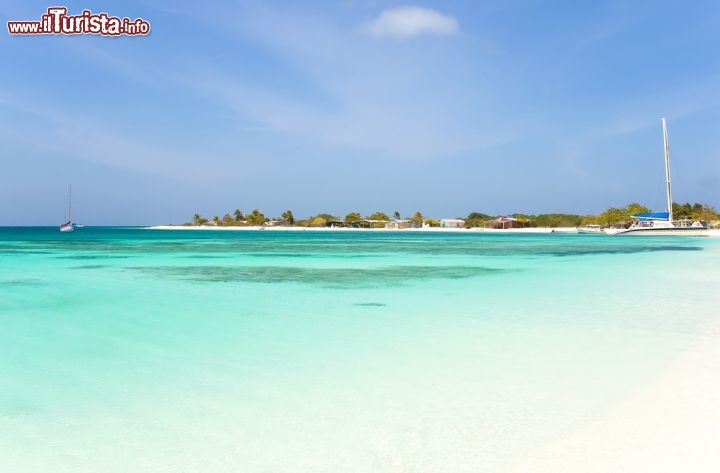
68	225
565	230
661	223
590	229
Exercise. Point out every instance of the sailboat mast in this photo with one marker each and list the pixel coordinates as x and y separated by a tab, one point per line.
70	203
667	171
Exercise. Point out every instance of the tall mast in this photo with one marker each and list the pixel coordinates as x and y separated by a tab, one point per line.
667	171
70	203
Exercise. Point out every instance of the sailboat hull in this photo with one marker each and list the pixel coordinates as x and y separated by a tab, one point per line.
689	231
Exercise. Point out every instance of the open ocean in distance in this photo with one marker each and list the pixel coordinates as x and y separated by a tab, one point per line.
134	350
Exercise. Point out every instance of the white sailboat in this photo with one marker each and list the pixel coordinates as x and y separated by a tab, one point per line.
662	223
68	225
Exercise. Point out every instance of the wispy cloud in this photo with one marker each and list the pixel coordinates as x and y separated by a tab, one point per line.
409	21
385	102
91	140
624	125
644	112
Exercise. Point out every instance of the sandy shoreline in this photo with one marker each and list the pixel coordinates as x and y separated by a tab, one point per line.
534	230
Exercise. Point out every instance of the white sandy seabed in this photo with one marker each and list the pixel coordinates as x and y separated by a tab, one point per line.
671	425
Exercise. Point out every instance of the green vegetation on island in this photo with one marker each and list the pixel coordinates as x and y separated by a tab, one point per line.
611	217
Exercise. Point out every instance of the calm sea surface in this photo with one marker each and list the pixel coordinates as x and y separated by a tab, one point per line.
132	350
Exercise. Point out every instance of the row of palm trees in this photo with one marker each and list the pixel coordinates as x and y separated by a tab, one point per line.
237	218
257	218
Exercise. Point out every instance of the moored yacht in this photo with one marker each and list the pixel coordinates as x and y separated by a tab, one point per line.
662	223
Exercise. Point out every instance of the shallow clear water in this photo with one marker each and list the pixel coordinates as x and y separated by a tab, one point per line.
142	350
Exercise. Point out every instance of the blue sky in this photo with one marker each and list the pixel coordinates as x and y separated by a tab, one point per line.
446	107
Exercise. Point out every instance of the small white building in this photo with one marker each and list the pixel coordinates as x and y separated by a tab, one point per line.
452	222
400	224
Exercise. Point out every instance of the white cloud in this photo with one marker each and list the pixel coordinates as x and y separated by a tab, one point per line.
409	21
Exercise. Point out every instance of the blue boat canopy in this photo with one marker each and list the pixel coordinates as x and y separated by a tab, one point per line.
652	216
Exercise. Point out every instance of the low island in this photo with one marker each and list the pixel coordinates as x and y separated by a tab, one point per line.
611	218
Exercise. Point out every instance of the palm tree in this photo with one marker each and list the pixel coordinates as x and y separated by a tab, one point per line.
216	220
378	216
288	218
197	219
238	215
396	215
256	218
417	219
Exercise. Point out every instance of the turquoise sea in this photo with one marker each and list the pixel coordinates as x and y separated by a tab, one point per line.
135	350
